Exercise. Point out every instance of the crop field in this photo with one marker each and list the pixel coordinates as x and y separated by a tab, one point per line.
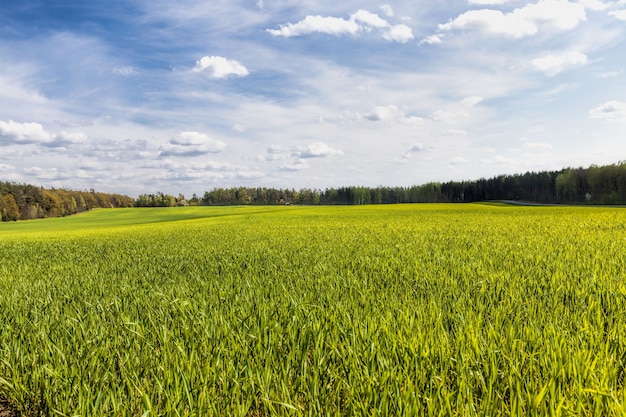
414	310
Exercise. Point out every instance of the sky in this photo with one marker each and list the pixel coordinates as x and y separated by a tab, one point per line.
182	96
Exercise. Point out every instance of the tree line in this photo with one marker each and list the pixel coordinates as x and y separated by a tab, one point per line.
25	202
592	185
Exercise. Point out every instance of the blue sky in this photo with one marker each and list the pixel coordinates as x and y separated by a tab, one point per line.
181	96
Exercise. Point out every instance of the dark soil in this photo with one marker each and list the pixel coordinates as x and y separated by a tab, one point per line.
7	409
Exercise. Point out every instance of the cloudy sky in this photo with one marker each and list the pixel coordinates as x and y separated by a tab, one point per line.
181	96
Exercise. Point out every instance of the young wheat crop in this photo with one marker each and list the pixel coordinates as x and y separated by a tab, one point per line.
425	310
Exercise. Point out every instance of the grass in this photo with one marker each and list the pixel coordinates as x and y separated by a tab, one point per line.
374	310
107	219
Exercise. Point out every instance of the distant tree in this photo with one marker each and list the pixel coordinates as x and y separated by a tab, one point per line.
8	208
566	186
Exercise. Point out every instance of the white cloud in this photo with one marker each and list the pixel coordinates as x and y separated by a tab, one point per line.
432	39
418	147
275	153
362	21
369	19
295	158
595	5
562	14
125	71
24	133
521	22
492	21
316	150
65	139
552	65
398	33
610	111
387	9
191	144
392	114
220	67
415	148
471	101
385	114
619	14
311	24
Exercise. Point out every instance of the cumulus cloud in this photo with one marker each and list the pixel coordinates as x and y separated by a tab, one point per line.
362	21
316	150
191	144
275	153
521	22
492	21
294	158
610	111
432	39
562	14
398	33
65	139
418	147
23	133
595	5
392	114
321	24
384	113
220	67
458	160
552	65
369	19
619	14
415	148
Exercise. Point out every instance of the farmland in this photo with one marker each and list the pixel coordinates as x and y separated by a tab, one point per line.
431	309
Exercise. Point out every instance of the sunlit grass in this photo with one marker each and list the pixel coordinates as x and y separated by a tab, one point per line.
376	310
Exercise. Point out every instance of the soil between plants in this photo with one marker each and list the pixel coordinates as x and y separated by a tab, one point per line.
7	409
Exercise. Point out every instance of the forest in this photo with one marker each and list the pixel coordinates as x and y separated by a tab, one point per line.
25	202
592	185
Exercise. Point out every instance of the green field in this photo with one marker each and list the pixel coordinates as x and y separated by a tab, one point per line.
316	311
